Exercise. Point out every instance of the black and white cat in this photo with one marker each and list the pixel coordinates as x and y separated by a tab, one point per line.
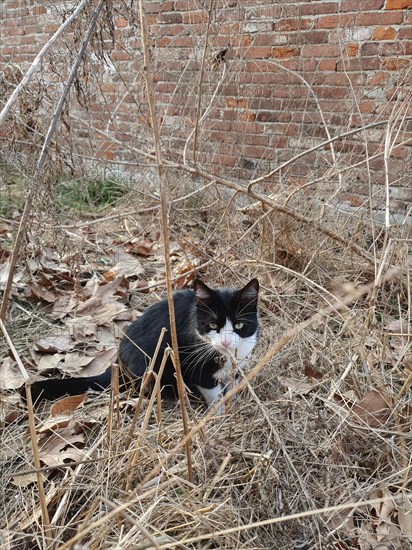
212	327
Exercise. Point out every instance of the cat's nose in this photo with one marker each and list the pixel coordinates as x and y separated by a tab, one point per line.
226	342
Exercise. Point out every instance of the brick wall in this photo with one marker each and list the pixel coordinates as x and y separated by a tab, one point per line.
279	77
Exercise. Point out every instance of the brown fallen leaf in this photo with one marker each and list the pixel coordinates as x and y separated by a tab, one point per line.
54	343
143	248
64	305
391	519
39	293
73	362
4	274
10	375
127	266
59	446
101	362
50	362
373	409
83	329
298	387
26	479
67	405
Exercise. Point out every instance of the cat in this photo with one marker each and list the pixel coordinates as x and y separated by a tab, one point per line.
212	327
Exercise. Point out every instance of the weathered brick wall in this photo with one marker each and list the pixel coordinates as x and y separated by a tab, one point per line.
279	77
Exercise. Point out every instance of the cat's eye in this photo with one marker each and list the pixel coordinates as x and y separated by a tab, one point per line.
239	326
213	326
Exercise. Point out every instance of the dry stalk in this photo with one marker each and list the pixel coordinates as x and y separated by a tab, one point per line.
165	227
135	455
281	519
33	437
146	380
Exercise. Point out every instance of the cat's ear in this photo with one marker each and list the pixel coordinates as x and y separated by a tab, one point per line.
202	291
249	292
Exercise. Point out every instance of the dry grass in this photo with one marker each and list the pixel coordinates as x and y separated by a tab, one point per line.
300	438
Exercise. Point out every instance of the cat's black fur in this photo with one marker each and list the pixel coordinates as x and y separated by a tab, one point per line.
200	361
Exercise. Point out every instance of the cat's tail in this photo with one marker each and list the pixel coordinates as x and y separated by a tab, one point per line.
58	387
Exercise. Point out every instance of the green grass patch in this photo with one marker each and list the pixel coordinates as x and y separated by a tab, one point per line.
90	194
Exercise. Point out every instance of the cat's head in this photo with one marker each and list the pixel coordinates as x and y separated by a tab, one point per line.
227	317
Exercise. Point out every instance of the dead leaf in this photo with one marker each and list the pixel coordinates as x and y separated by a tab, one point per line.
26	479
50	362
11	377
73	363
4	273
37	292
388	525
64	305
298	387
13	415
55	343
103	314
143	248
127	265
405	517
62	414
67	405
100	363
373	409
83	329
310	372
59	446
400	326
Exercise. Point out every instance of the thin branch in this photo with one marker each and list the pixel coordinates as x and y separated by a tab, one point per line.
42	159
165	228
319	146
38	59
199	87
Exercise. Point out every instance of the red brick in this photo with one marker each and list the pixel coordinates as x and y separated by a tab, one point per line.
378	78
327	65
294	24
236	102
351	50
248	116
121	22
170	18
333	21
315	37
358	5
193	17
318	8
405	32
381	18
331	92
282	52
186	5
370	49
335	79
395	63
320	50
398	4
256	52
182	41
157	7
366	106
384	33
